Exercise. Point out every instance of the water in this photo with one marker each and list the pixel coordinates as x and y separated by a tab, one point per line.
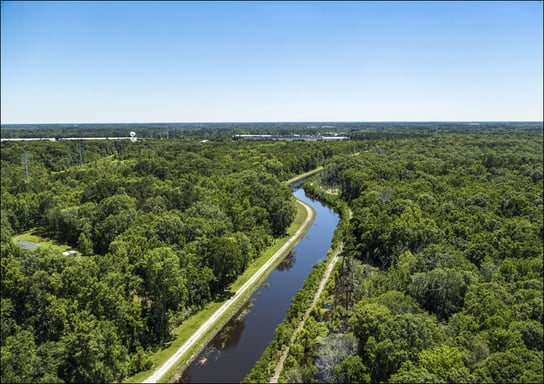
229	357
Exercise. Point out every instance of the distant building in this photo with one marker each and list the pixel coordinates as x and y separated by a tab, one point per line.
294	137
329	138
253	137
71	252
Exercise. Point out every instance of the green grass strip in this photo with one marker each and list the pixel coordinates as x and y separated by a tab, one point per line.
189	326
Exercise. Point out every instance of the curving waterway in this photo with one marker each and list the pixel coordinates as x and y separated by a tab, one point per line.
231	354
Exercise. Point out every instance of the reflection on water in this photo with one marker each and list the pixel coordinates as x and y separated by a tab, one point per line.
227	338
229	357
289	261
230	335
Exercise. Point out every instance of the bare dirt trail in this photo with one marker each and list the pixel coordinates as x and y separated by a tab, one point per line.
322	284
195	338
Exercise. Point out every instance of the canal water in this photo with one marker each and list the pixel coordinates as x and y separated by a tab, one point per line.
229	357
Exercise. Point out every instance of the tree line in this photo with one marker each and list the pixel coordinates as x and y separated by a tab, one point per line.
443	255
161	229
442	276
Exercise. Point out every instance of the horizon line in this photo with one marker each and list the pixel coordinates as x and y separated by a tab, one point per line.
281	122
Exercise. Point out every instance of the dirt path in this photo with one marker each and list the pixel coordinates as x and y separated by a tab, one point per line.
318	293
304	175
162	370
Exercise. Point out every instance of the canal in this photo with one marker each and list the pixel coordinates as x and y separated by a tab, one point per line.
232	353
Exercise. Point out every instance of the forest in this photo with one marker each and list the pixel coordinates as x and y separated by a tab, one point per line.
441	278
161	228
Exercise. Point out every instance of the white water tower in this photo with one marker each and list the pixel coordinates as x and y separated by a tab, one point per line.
132	136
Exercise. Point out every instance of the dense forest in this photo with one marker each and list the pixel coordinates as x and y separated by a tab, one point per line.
442	275
441	278
161	227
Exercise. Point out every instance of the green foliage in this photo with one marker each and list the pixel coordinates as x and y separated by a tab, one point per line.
409	373
161	229
449	227
163	290
84	244
366	320
305	347
352	370
451	216
441	360
516	365
92	352
19	358
439	291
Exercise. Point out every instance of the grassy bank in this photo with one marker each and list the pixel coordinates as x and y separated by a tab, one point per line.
305	298
189	326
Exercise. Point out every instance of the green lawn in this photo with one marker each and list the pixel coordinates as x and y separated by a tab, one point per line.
41	241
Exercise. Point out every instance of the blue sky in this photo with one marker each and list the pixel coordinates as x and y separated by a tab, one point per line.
123	61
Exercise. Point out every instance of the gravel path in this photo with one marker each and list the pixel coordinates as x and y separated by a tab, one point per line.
161	371
322	284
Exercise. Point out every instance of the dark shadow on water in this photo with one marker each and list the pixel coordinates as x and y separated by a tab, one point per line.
229	336
289	261
233	352
226	339
231	333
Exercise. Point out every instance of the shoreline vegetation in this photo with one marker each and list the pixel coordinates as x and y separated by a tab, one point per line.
270	365
408	308
444	248
189	326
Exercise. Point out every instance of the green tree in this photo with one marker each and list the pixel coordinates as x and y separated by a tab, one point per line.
352	370
366	320
92	352
441	291
164	290
84	244
410	373
19	360
441	360
170	229
513	366
223	255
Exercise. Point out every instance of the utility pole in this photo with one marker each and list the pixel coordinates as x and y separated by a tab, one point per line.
80	156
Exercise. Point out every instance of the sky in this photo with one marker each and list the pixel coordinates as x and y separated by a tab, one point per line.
122	62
